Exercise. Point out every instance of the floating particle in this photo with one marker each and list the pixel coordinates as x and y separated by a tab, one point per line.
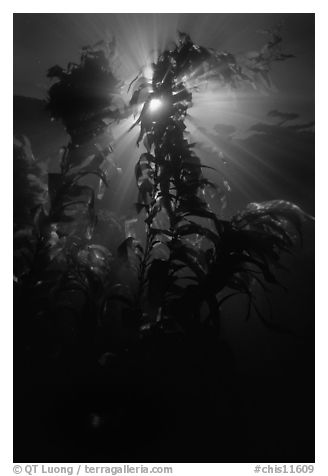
95	420
223	159
226	185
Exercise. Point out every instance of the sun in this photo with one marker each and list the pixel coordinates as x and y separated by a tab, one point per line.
155	104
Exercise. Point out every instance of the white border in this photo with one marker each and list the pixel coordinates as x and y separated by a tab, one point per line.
61	6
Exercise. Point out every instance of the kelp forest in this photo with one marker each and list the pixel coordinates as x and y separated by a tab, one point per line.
119	353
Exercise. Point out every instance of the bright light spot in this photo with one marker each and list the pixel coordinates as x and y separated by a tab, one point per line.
148	72
155	104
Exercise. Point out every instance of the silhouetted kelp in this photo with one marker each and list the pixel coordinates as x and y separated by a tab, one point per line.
92	315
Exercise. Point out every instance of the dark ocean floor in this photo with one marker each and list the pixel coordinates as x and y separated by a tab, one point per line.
166	400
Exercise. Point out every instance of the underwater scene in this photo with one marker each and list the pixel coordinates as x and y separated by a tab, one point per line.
163	226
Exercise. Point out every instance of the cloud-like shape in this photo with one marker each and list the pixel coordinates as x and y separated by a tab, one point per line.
284	116
279	131
301	127
224	129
